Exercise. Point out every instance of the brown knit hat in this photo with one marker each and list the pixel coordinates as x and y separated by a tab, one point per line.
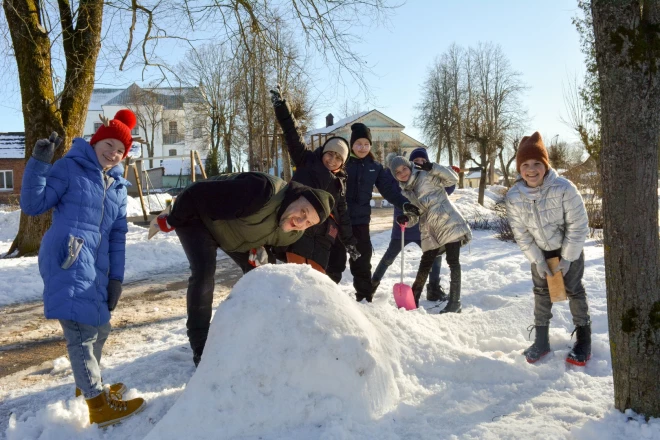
531	147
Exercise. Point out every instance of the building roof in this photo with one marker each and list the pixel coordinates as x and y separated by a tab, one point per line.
170	99
12	145
100	97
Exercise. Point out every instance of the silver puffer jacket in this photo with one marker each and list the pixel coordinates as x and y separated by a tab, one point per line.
439	222
549	217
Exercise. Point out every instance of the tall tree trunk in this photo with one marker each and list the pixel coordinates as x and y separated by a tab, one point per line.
484	168
628	53
41	114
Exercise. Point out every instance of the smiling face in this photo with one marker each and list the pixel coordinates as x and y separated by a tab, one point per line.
533	172
361	147
332	160
298	216
109	152
402	173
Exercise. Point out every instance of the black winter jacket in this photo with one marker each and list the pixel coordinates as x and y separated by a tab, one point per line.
310	171
363	174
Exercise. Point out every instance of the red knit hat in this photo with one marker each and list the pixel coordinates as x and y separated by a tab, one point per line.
118	128
532	147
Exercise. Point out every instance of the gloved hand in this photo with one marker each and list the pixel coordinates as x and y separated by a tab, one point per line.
44	149
276	97
543	269
353	252
409	208
563	266
402	219
162	223
258	257
114	292
426	166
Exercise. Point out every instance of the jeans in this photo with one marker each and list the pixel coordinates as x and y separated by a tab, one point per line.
577	297
393	251
84	344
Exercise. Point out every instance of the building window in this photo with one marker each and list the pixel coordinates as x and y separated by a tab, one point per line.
173	152
173	127
97	125
6	180
135	131
197	128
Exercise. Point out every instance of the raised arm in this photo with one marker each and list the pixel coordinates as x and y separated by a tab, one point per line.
293	139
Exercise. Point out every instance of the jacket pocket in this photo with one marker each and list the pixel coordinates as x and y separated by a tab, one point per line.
74	247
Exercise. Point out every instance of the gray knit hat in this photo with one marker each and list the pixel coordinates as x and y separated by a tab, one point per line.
397	161
338	145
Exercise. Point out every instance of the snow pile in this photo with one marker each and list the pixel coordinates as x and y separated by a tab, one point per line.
9	220
309	358
466	201
152	202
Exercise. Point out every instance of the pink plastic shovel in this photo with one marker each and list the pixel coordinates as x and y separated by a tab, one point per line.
403	294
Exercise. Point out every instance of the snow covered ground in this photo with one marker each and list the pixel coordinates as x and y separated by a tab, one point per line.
292	356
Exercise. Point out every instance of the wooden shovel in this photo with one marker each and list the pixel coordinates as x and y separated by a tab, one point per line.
556	282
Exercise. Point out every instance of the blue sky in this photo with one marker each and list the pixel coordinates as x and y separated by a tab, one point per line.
537	37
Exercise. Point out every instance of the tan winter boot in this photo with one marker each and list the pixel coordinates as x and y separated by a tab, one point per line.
106	411
116	389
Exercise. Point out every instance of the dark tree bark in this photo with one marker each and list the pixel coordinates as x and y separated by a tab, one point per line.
31	42
627	41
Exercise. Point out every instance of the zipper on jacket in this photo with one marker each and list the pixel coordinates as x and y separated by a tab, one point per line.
540	226
103	177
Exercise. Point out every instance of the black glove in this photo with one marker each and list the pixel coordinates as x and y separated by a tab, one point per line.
276	97
44	149
409	208
402	219
353	252
426	166
114	292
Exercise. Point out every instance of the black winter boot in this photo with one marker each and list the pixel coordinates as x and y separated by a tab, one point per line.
454	303
581	351
417	292
435	292
541	345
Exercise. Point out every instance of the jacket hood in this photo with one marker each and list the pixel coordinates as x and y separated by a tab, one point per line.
535	193
83	153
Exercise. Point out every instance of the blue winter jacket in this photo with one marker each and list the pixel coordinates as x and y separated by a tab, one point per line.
86	244
363	174
412	233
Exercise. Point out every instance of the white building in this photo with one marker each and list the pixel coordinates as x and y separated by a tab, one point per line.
173	113
386	133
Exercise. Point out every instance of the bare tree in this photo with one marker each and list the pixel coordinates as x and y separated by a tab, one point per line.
214	71
627	48
148	109
137	30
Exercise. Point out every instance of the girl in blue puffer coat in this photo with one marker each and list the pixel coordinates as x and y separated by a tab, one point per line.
82	255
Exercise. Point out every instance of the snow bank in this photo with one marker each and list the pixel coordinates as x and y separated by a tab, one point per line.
308	357
153	202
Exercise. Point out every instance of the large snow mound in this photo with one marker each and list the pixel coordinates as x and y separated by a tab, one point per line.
308	356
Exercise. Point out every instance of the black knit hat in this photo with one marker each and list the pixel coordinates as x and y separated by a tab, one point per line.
359	130
322	201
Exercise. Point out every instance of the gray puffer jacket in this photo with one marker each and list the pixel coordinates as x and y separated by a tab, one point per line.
549	217
439	222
